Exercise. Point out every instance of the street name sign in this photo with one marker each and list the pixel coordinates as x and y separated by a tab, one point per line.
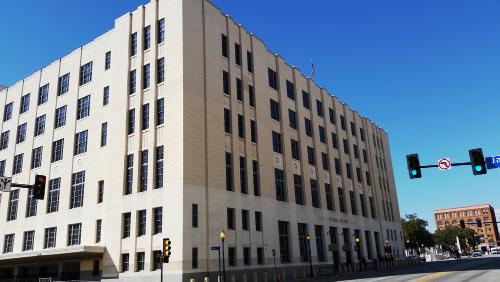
444	164
492	162
5	183
215	248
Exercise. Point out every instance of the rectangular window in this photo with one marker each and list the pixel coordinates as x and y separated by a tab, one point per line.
141	223
104	134
250	61
146	76
77	187
144	171
131	121
160	70
338	167
63	84
159	167
363	204
253	131
239	90
241	126
140	261
31	205
132	82
299	190
125	262
157	220
354	207
13	204
245	220
353	128
368	179
243	175
194	215
18	164
277	142
311	156
325	161
246	256
256	178
315	197
25	103
319	108
157	260
260	255
57	150
227	120
231	256
53	195
275	109
225	46
83	109
7	113
36	157
2	167
230	219
306	100
295	145
81	139
348	170
160	111
308	127
258	221
126	218
100	191
279	182
322	134
161	31
362	134
105	96
251	95
145	116
225	83
273	79
365	156
292	119
359	175
284	241
86	73
229	172
133	44
332	116
356	151
237	54
50	238
341	200
304	250
147	37
342	122
4	142
346	146
21	133
329	196
107	60
8	243
60	118
194	258
130	174
98	229
290	90
74	234
43	94
320	243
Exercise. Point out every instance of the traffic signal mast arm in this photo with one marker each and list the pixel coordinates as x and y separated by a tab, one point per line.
23	185
453	164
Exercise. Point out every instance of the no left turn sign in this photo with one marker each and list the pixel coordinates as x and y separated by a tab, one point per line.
444	164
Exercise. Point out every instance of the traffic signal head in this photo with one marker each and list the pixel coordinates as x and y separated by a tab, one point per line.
166	249
477	161
479	224
462	223
413	166
39	187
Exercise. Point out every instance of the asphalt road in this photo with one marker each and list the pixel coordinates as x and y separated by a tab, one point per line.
486	268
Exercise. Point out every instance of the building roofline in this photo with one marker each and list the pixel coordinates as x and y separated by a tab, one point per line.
464	207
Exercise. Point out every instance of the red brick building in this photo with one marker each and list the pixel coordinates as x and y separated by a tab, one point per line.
487	234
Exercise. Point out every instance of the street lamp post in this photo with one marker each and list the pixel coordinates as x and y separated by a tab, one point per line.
311	272
386	248
358	249
274	262
222	236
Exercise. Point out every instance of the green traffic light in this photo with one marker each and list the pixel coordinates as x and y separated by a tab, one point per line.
414	172
478	168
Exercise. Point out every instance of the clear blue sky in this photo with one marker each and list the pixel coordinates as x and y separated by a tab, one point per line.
427	71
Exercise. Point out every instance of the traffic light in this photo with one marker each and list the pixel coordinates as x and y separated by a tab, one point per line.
413	166
39	187
477	161
166	249
479	224
462	223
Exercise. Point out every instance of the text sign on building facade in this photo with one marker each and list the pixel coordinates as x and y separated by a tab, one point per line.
492	162
5	183
444	164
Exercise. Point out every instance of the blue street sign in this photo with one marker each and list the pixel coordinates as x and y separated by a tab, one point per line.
492	162
215	248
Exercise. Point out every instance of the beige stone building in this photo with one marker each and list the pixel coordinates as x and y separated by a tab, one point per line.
180	123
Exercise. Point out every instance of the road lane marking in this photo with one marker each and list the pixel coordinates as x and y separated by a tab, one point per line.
432	276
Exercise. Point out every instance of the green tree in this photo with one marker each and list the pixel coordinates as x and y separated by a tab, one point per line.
447	237
415	232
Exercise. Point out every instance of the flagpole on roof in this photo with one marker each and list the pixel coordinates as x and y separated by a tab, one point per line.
312	69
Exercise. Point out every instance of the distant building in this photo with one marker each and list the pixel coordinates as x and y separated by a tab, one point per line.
487	233
2	87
